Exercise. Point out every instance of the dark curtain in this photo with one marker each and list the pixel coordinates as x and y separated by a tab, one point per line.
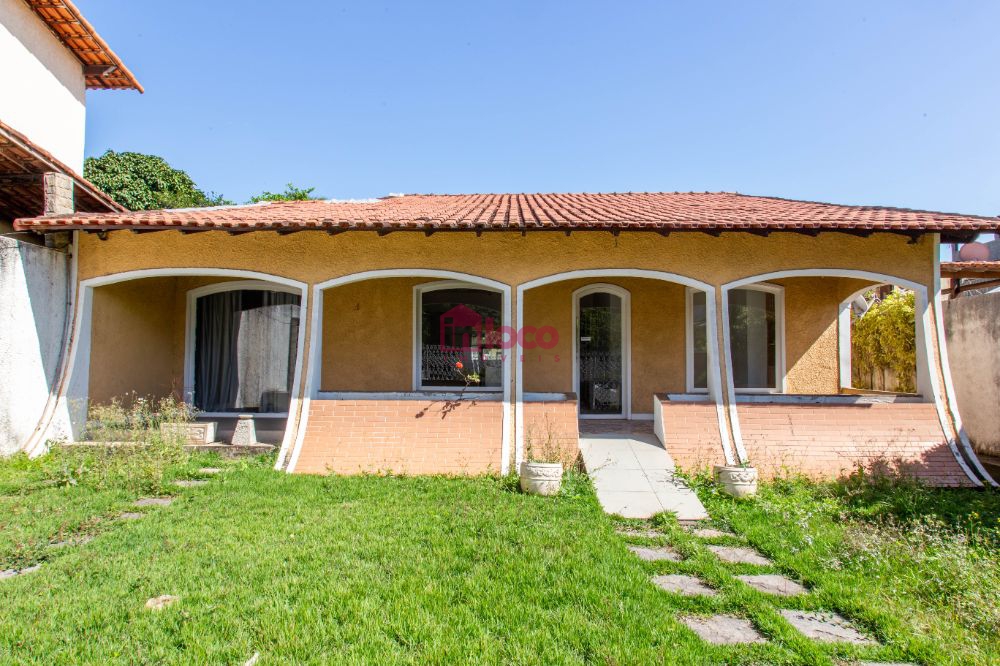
245	350
216	377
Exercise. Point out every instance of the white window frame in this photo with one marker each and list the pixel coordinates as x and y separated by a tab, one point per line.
779	342
190	334
418	308
626	298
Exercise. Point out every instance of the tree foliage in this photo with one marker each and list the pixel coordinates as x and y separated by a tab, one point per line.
146	182
884	339
291	193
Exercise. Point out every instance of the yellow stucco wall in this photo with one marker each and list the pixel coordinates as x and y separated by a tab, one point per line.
657	340
138	337
510	258
368	336
507	257
133	342
812	307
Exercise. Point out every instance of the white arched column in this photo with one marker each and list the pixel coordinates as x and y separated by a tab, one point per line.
314	362
715	371
68	416
931	378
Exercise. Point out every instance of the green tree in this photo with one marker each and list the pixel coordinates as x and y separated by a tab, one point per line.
146	182
291	193
885	339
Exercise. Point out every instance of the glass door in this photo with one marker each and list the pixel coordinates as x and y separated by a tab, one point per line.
600	355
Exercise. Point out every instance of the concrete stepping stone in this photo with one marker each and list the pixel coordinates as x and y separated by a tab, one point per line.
161	602
739	555
657	554
825	627
710	533
130	515
10	573
723	629
774	584
190	483
689	586
210	470
153	501
74	541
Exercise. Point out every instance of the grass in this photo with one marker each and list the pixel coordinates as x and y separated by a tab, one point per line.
918	568
427	570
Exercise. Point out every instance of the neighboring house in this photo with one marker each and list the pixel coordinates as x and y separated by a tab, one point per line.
719	321
972	326
49	57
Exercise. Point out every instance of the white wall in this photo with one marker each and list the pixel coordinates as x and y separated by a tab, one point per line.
33	281
972	330
42	88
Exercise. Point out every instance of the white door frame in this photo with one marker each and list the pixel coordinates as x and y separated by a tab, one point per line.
626	336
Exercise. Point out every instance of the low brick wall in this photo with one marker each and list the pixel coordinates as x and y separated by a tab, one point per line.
831	440
402	436
554	417
689	431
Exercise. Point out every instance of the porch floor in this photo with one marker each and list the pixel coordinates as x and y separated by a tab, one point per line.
632	472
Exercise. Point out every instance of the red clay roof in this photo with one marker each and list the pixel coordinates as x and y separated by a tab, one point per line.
970	268
657	211
102	67
22	165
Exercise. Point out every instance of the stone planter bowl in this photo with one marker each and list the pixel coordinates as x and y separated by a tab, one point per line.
538	478
737	480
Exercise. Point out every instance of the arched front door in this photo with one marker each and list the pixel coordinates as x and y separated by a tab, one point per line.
601	374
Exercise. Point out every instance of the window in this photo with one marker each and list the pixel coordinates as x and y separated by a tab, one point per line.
460	325
245	346
754	316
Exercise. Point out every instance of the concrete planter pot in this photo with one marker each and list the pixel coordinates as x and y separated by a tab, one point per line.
538	478
737	480
190	433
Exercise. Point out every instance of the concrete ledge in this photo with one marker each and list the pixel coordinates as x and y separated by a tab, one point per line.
231	450
488	396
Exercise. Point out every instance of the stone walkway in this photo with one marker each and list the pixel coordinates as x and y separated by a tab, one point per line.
725	629
82	539
632	473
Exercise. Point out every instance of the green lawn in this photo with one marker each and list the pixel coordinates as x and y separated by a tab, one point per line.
435	570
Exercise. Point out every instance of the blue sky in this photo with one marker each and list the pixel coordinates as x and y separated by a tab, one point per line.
894	103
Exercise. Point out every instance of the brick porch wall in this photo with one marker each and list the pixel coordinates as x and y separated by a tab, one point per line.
830	440
558	416
420	436
689	432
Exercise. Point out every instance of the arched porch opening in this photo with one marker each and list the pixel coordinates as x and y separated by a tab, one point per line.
137	335
408	373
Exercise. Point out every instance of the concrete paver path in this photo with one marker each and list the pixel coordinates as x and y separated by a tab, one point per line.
633	474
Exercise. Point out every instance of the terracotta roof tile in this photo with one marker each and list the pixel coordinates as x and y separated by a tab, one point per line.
970	268
653	211
103	69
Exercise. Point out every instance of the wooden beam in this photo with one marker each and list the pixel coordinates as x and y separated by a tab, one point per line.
20	178
970	286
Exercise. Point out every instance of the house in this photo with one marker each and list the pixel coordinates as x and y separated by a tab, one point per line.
719	321
50	57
